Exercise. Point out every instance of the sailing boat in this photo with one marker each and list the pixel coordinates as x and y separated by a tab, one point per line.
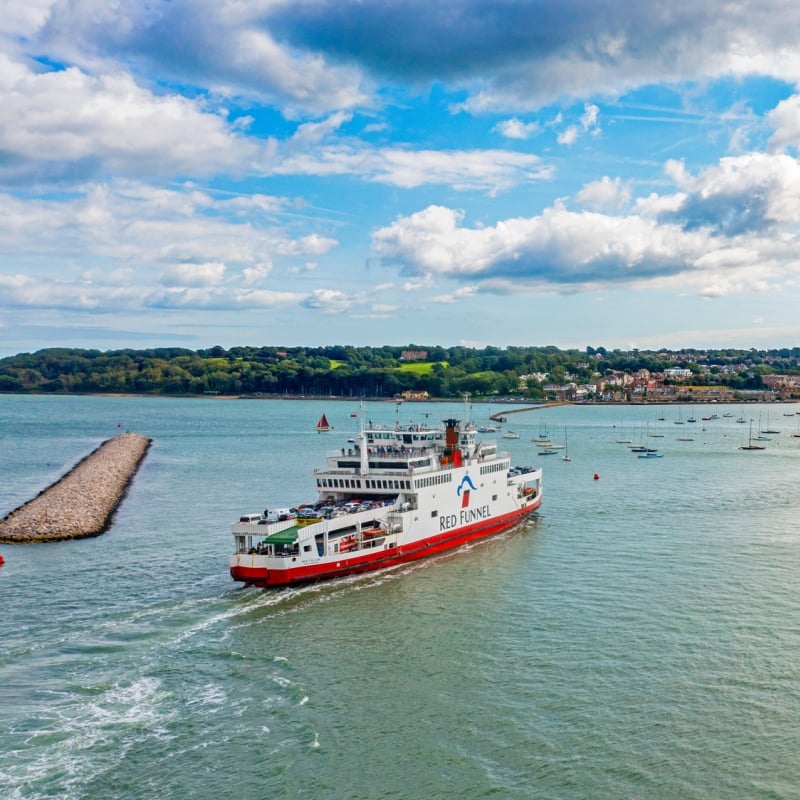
323	425
767	429
566	456
750	445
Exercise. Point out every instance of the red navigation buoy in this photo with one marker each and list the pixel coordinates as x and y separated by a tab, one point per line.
596	476
2	560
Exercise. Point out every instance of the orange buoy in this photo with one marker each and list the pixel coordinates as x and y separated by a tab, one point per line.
596	476
2	560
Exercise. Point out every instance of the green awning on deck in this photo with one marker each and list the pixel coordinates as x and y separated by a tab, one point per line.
288	536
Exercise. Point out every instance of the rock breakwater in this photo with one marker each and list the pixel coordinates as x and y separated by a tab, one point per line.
82	502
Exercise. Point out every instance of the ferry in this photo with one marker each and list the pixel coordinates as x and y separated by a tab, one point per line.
395	495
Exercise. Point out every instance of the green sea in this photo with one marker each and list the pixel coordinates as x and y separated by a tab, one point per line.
638	638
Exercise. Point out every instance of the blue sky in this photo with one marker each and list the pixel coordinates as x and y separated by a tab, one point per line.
309	172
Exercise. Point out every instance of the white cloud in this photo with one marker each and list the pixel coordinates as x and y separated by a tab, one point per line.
193	275
588	123
67	124
263	298
785	119
515	129
605	193
482	170
128	238
257	273
569	136
329	301
732	228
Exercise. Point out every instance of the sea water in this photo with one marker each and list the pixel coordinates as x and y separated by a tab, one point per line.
638	638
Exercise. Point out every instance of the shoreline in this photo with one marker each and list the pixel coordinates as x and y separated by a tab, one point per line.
529	403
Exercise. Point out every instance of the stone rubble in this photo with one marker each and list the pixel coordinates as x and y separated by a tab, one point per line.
82	502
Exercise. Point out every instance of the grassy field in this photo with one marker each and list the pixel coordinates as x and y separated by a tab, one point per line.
420	367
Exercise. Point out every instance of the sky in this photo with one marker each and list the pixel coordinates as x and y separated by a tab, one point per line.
573	173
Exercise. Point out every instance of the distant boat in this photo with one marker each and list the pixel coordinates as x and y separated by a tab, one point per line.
510	435
651	454
566	456
767	429
750	445
323	425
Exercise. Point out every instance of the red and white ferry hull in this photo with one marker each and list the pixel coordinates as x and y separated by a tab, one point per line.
252	571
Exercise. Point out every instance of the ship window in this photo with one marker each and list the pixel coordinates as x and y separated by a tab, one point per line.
307	548
494	497
434	513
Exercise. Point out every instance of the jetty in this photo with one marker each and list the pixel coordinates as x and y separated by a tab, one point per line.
82	502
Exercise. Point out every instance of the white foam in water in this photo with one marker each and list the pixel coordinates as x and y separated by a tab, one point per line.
208	696
76	732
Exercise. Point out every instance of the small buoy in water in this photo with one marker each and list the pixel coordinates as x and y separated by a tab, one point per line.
2	560
596	476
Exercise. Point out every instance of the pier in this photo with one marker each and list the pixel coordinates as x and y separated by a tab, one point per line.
82	502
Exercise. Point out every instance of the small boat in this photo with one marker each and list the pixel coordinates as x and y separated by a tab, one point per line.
651	454
767	429
510	435
566	456
750	445
323	425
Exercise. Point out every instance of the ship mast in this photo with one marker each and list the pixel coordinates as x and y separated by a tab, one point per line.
362	440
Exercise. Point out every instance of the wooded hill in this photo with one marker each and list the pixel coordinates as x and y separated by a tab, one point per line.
367	371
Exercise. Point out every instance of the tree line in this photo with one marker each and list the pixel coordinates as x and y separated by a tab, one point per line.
382	372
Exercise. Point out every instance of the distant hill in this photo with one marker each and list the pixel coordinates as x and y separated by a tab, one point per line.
346	371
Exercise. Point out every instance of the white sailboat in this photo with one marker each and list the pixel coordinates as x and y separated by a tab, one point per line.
566	456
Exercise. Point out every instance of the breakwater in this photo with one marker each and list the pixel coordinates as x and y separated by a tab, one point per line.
82	502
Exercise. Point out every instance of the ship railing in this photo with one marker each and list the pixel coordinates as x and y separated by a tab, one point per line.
400	471
262	528
401	451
